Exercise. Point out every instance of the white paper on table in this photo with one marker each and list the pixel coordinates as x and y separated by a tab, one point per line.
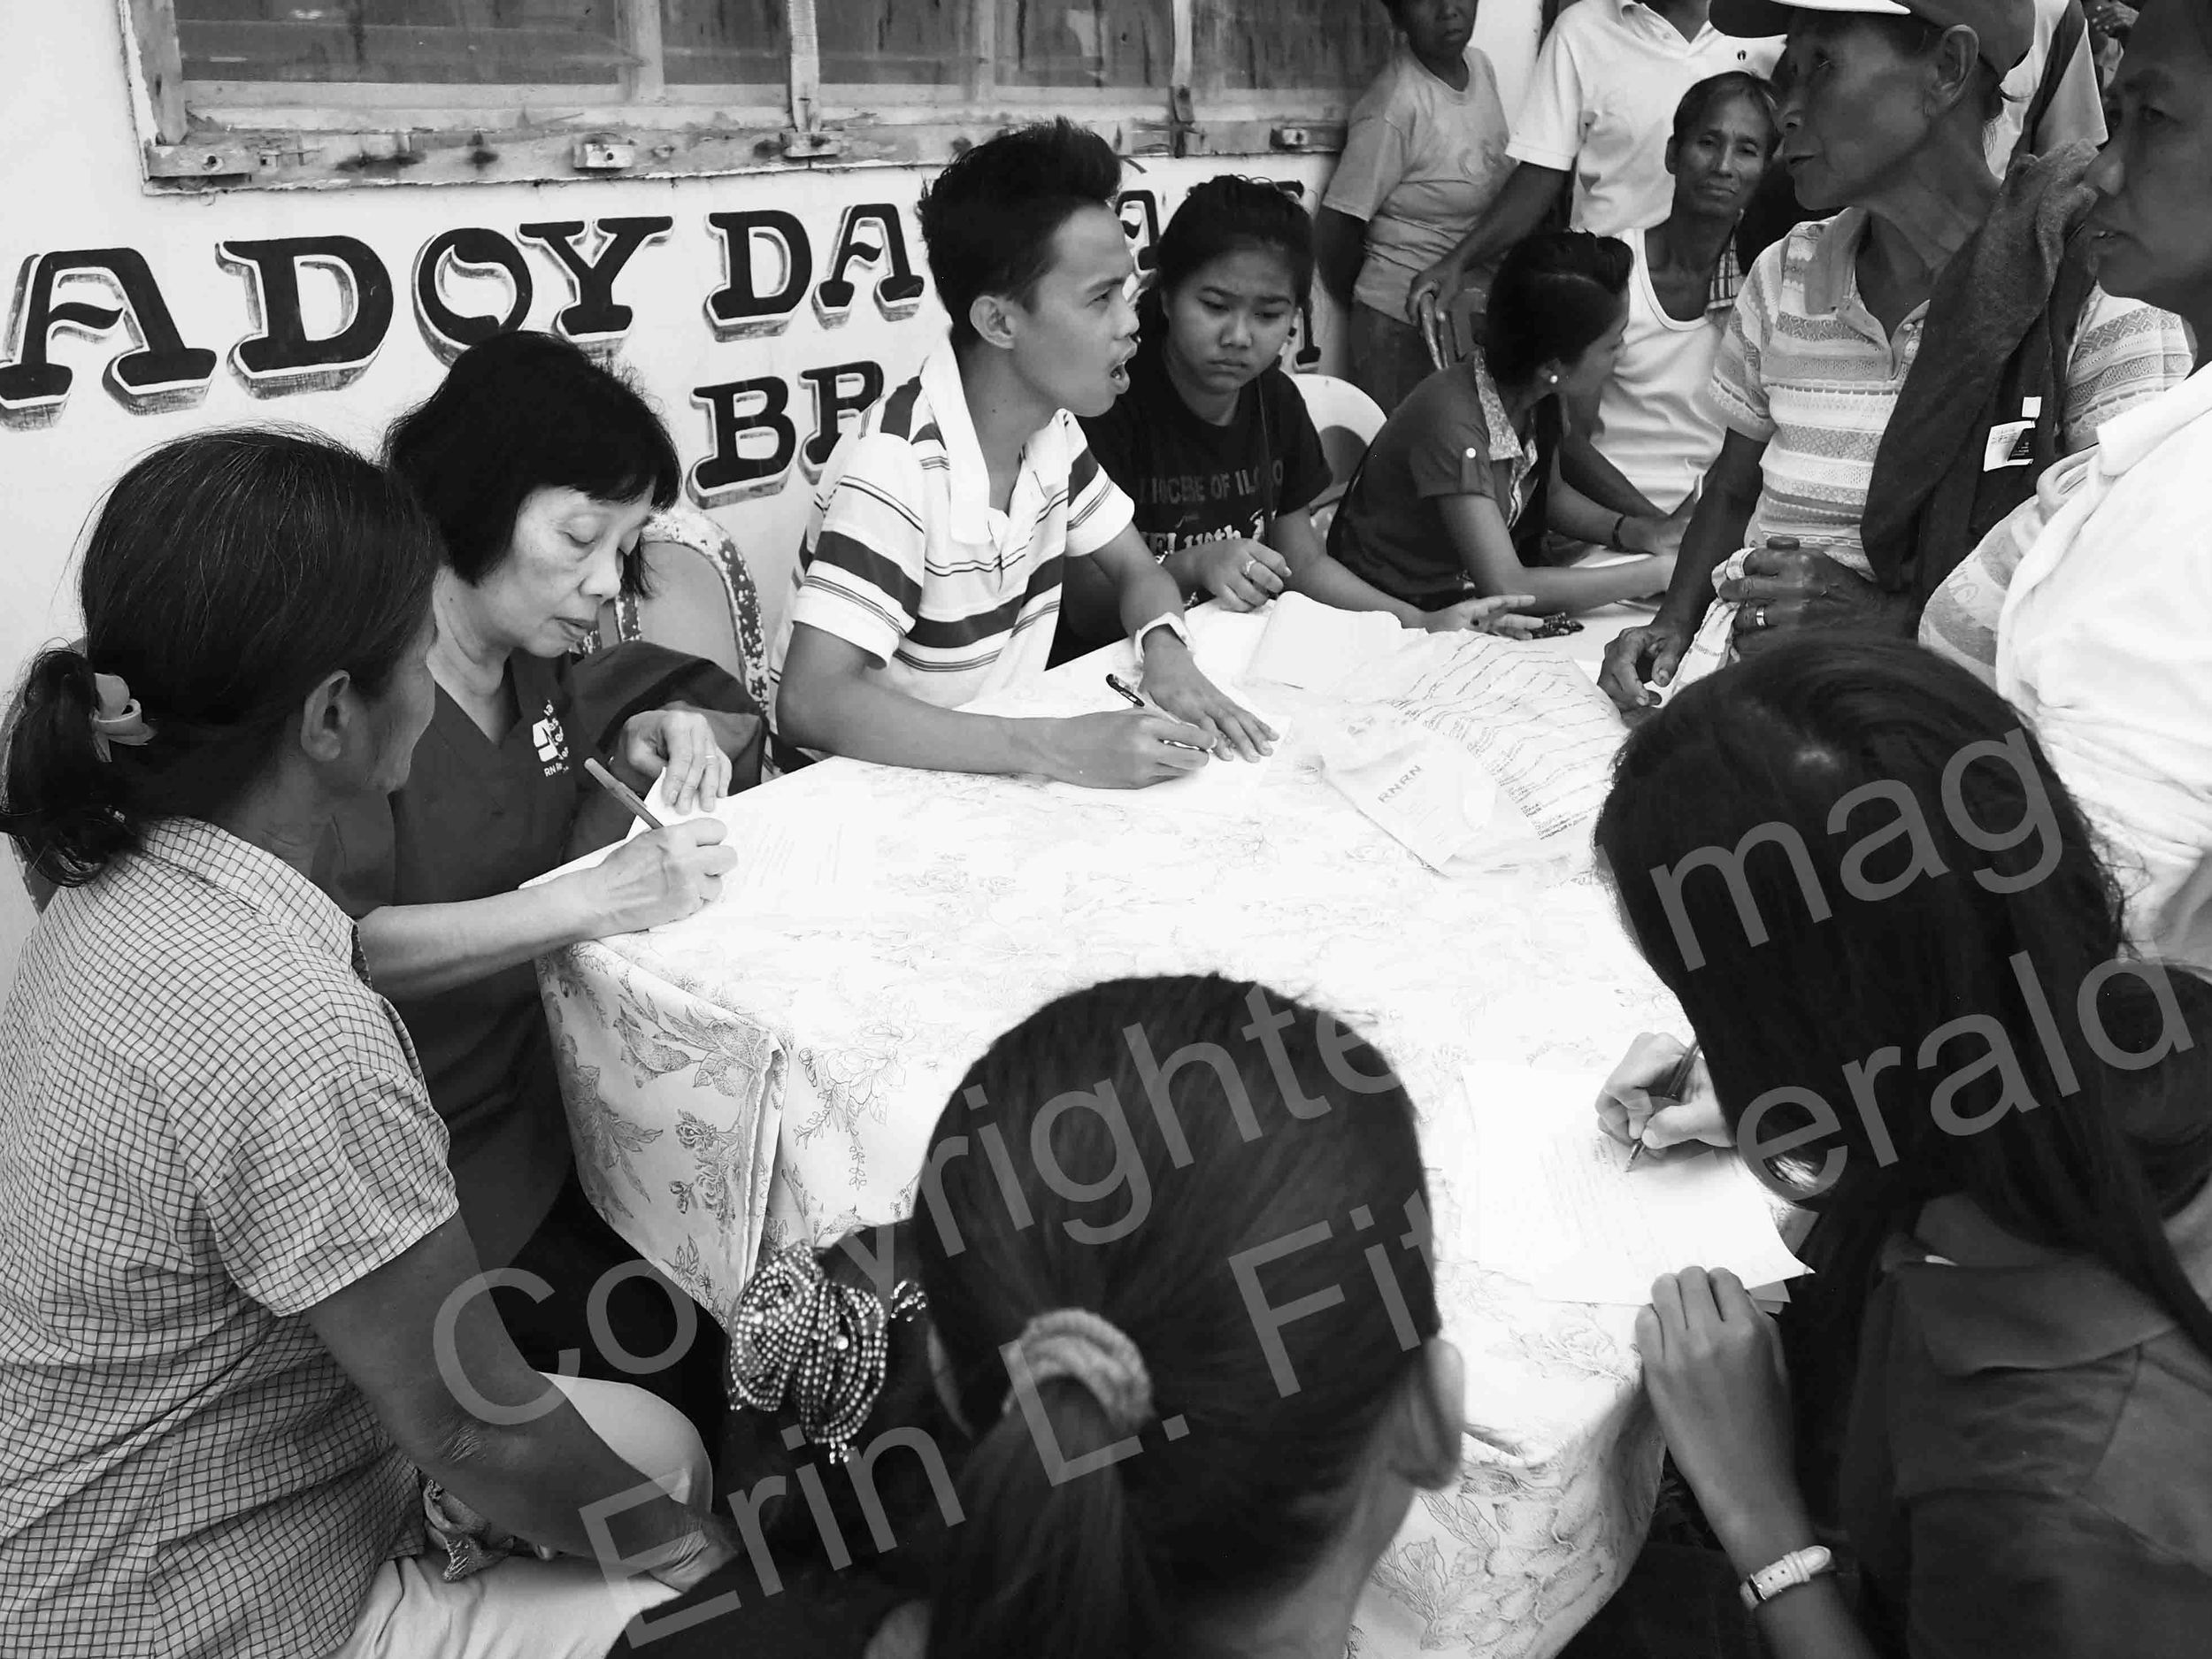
1319	647
1427	795
1557	1206
1530	715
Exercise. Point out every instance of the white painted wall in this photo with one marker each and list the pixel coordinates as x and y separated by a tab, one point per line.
70	179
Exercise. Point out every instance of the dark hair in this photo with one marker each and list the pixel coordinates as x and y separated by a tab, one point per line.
1916	874
1699	101
1228	214
227	574
1555	294
990	217
520	412
1157	1173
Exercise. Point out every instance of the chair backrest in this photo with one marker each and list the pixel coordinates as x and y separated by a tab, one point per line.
704	601
1348	420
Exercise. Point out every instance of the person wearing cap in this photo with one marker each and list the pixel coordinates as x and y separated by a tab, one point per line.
1895	376
2091	607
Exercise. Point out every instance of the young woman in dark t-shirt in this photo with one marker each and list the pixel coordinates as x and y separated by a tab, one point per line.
1212	440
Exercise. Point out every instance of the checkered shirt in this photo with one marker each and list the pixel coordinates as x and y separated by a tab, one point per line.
209	1123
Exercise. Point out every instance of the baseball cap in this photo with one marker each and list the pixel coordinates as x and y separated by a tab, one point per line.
2006	28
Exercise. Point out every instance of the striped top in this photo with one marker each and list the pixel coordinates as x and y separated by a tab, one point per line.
905	558
1807	369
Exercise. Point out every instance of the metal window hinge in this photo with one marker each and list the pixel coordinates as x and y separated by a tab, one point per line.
219	159
1185	137
810	145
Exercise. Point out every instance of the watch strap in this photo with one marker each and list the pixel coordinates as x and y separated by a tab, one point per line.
1799	1566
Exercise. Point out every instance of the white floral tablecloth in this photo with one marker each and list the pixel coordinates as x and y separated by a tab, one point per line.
743	1077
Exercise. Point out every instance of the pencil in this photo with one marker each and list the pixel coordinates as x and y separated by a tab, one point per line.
1678	1081
623	793
1136	702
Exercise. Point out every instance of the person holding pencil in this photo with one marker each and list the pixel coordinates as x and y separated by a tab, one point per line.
541	469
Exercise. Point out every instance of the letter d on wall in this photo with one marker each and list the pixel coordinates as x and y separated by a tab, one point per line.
281	358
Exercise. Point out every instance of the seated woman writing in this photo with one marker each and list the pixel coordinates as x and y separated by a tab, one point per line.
238	1330
541	469
1214	1508
1895	376
1887	922
1457	490
1211	441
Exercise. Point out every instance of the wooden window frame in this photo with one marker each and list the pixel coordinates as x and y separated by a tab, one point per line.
199	136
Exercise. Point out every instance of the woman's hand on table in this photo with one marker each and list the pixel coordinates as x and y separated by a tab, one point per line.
1659	536
1501	616
680	744
1171	679
1784	588
1713	1364
1242	573
661	876
1630	1111
1640	659
1129	749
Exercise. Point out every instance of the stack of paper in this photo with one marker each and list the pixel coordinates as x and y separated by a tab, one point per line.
1558	1206
1319	647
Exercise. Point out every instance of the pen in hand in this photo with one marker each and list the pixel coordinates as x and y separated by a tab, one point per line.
1137	701
623	793
1678	1081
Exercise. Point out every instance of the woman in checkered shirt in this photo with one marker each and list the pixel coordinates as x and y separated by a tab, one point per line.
232	1264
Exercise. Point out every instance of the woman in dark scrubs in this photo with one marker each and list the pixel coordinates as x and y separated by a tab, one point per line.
540	468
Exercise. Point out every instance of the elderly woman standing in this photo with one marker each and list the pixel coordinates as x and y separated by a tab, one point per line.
2091	607
1894	375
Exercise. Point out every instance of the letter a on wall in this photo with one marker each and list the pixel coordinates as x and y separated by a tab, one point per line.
161	373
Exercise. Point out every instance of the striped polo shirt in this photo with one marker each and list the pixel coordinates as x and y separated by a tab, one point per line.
1807	369
905	558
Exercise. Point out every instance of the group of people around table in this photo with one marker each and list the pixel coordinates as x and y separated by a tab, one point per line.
313	1343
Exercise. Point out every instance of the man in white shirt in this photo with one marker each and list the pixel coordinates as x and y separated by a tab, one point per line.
1597	113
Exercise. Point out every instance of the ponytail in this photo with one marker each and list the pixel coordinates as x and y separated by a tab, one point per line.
66	807
227	575
1036	1568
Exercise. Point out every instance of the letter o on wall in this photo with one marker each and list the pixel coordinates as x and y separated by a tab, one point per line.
471	248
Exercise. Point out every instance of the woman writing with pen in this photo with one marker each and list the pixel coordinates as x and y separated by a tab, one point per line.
541	469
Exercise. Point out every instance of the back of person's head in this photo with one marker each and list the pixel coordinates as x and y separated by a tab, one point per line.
1230	214
1189	1247
1557	293
990	217
517	413
1889	925
1711	92
227	575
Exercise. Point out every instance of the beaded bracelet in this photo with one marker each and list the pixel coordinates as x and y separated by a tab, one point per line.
825	1346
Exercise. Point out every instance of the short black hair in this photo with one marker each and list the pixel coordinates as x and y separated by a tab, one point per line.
1699	101
520	412
989	218
1554	296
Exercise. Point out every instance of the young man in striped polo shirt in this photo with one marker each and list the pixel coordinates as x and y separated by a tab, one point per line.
930	573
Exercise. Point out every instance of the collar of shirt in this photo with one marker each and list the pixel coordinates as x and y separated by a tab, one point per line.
257	879
968	479
2125	439
1994	1302
1630	9
1831	268
1505	443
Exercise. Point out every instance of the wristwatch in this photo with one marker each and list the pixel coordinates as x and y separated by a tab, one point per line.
1799	1566
1166	620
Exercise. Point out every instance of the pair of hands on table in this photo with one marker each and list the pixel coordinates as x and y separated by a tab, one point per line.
1712	1356
1191	723
666	874
1784	588
1243	575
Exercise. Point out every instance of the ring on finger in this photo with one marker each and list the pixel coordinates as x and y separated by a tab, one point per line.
1250	563
1759	616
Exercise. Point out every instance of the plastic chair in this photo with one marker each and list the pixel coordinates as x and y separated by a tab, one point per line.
1348	420
705	599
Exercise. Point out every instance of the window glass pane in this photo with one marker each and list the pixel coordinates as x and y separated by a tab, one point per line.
469	42
1258	45
1087	42
727	43
896	43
